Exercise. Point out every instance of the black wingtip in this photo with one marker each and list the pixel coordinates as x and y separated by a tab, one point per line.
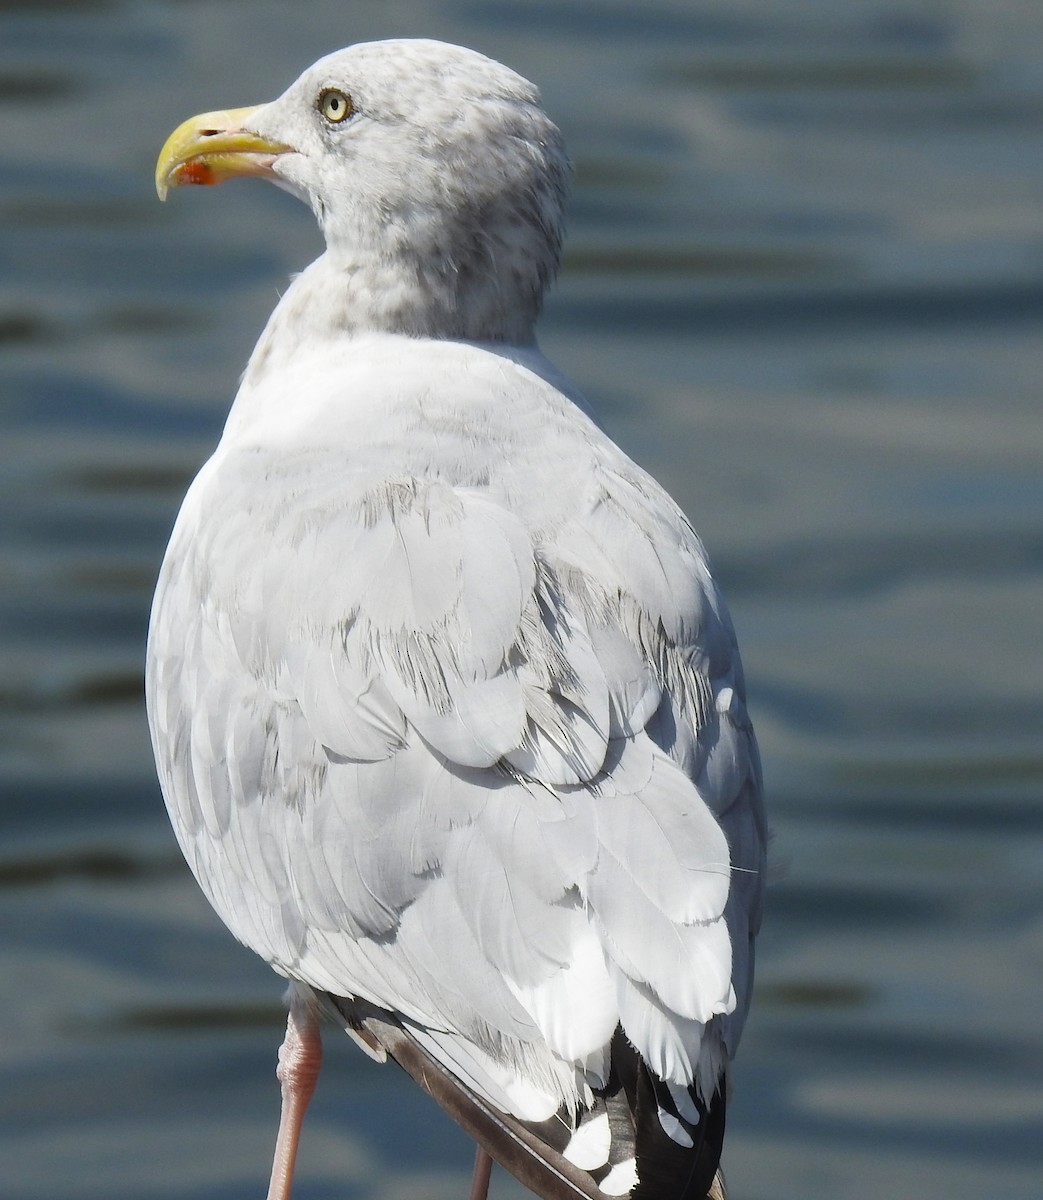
666	1168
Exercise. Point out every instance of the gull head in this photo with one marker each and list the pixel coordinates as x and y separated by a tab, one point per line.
437	179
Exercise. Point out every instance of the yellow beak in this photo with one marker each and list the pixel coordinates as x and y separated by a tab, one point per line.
213	147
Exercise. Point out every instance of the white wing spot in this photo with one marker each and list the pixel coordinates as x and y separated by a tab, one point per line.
621	1179
674	1130
589	1146
683	1102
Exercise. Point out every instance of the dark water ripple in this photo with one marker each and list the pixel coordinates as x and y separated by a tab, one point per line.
866	564
864	307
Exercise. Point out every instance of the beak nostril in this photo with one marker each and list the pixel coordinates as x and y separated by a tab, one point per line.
209	132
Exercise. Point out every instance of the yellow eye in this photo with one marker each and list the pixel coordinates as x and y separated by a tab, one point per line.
335	106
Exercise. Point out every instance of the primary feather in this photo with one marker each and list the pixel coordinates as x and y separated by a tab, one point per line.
447	707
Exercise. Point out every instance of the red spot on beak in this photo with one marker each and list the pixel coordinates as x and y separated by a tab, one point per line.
195	171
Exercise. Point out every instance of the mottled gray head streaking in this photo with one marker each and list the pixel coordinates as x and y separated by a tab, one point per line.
438	181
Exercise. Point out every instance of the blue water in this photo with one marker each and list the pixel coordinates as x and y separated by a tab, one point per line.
804	286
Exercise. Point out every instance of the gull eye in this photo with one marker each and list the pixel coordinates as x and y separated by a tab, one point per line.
335	105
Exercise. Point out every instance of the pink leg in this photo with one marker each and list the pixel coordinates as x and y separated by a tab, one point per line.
483	1166
300	1057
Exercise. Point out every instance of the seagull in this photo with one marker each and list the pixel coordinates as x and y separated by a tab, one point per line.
446	705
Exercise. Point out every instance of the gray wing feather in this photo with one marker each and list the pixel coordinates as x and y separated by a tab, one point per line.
468	754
